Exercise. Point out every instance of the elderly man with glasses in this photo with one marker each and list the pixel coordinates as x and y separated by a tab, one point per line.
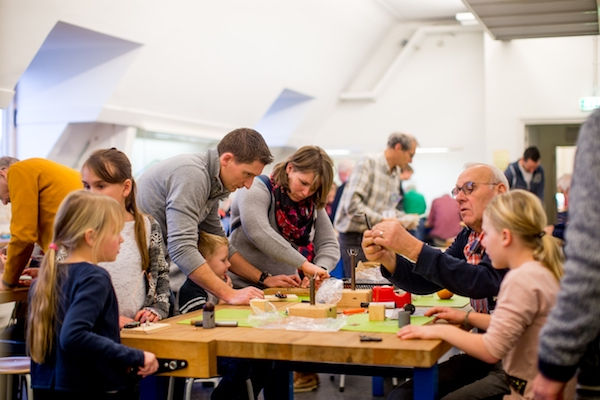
463	268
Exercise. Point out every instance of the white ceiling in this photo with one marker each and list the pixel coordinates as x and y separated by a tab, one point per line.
423	10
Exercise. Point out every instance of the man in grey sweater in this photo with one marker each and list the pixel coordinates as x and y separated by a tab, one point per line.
570	340
182	193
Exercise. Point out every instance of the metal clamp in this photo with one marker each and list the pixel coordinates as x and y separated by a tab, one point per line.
170	365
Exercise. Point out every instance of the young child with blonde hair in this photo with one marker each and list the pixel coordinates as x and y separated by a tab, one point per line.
73	324
513	224
215	250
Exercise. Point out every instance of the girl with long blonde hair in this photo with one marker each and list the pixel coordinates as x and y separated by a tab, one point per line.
73	332
513	225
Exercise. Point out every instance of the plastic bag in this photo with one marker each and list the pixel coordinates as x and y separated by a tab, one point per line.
330	291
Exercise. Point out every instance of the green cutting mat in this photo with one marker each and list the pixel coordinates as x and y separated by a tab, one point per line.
228	314
433	300
361	323
356	322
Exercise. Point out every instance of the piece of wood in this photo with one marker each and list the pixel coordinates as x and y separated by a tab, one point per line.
292	290
376	312
148	329
313	311
353	298
273	298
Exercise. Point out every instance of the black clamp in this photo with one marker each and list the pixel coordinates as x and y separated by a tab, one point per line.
170	365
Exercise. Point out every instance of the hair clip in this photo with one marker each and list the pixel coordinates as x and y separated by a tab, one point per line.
53	246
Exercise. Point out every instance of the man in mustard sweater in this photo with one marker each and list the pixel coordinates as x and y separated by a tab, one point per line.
35	187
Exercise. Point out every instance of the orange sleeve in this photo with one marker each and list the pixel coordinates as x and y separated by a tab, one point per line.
23	192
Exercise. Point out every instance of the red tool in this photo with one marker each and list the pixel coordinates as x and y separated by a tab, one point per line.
386	293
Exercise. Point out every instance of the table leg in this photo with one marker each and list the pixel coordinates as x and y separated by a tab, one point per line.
425	383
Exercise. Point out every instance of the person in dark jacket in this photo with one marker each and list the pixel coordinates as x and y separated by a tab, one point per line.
527	173
464	268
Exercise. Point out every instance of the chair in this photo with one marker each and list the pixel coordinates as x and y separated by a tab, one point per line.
11	366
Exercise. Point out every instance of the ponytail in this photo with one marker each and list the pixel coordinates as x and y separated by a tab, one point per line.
549	253
43	308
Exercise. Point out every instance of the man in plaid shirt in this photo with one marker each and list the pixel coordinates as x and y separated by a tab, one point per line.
373	189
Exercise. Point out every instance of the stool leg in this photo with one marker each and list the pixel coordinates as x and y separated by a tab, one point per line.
342	382
170	388
189	382
29	389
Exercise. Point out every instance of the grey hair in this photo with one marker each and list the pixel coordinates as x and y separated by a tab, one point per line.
564	182
7	161
497	175
404	139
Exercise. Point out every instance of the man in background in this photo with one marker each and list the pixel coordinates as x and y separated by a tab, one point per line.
372	191
35	188
527	173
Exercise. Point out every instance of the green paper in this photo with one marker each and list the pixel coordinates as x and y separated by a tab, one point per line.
432	300
361	323
227	314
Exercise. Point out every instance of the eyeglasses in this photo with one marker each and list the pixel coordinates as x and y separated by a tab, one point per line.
468	188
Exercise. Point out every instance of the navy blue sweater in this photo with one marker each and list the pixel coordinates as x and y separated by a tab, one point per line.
435	270
87	355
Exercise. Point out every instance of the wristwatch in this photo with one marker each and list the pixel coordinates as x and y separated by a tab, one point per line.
263	276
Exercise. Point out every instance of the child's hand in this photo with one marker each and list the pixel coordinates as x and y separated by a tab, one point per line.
146	316
124	320
228	281
417	332
446	313
150	365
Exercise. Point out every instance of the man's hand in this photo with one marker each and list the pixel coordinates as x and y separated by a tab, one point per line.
243	296
392	235
547	389
282	281
377	253
150	365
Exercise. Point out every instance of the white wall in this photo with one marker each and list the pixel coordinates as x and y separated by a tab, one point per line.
535	81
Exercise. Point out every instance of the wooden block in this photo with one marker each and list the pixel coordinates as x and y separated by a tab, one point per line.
289	297
376	312
262	305
148	329
353	298
295	290
313	311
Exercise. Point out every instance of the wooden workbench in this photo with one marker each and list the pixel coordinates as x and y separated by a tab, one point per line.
201	347
16	294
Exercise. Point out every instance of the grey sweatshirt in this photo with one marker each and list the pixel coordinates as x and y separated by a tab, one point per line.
570	337
183	193
259	241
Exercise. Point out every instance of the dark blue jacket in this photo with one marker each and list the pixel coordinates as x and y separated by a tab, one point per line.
86	354
435	270
516	180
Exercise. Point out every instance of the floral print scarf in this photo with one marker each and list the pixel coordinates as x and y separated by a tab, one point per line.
295	219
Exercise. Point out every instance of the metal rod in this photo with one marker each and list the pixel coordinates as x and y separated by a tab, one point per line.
312	290
353	253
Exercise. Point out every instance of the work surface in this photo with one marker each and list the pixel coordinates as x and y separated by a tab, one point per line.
16	294
201	347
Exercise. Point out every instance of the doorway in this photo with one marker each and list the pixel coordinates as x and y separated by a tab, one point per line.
552	140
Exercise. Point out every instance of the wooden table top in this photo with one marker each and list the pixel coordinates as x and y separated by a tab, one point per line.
16	294
201	346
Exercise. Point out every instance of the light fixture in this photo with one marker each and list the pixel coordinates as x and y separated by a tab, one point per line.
466	18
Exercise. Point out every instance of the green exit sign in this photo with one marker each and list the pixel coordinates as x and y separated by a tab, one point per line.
589	103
